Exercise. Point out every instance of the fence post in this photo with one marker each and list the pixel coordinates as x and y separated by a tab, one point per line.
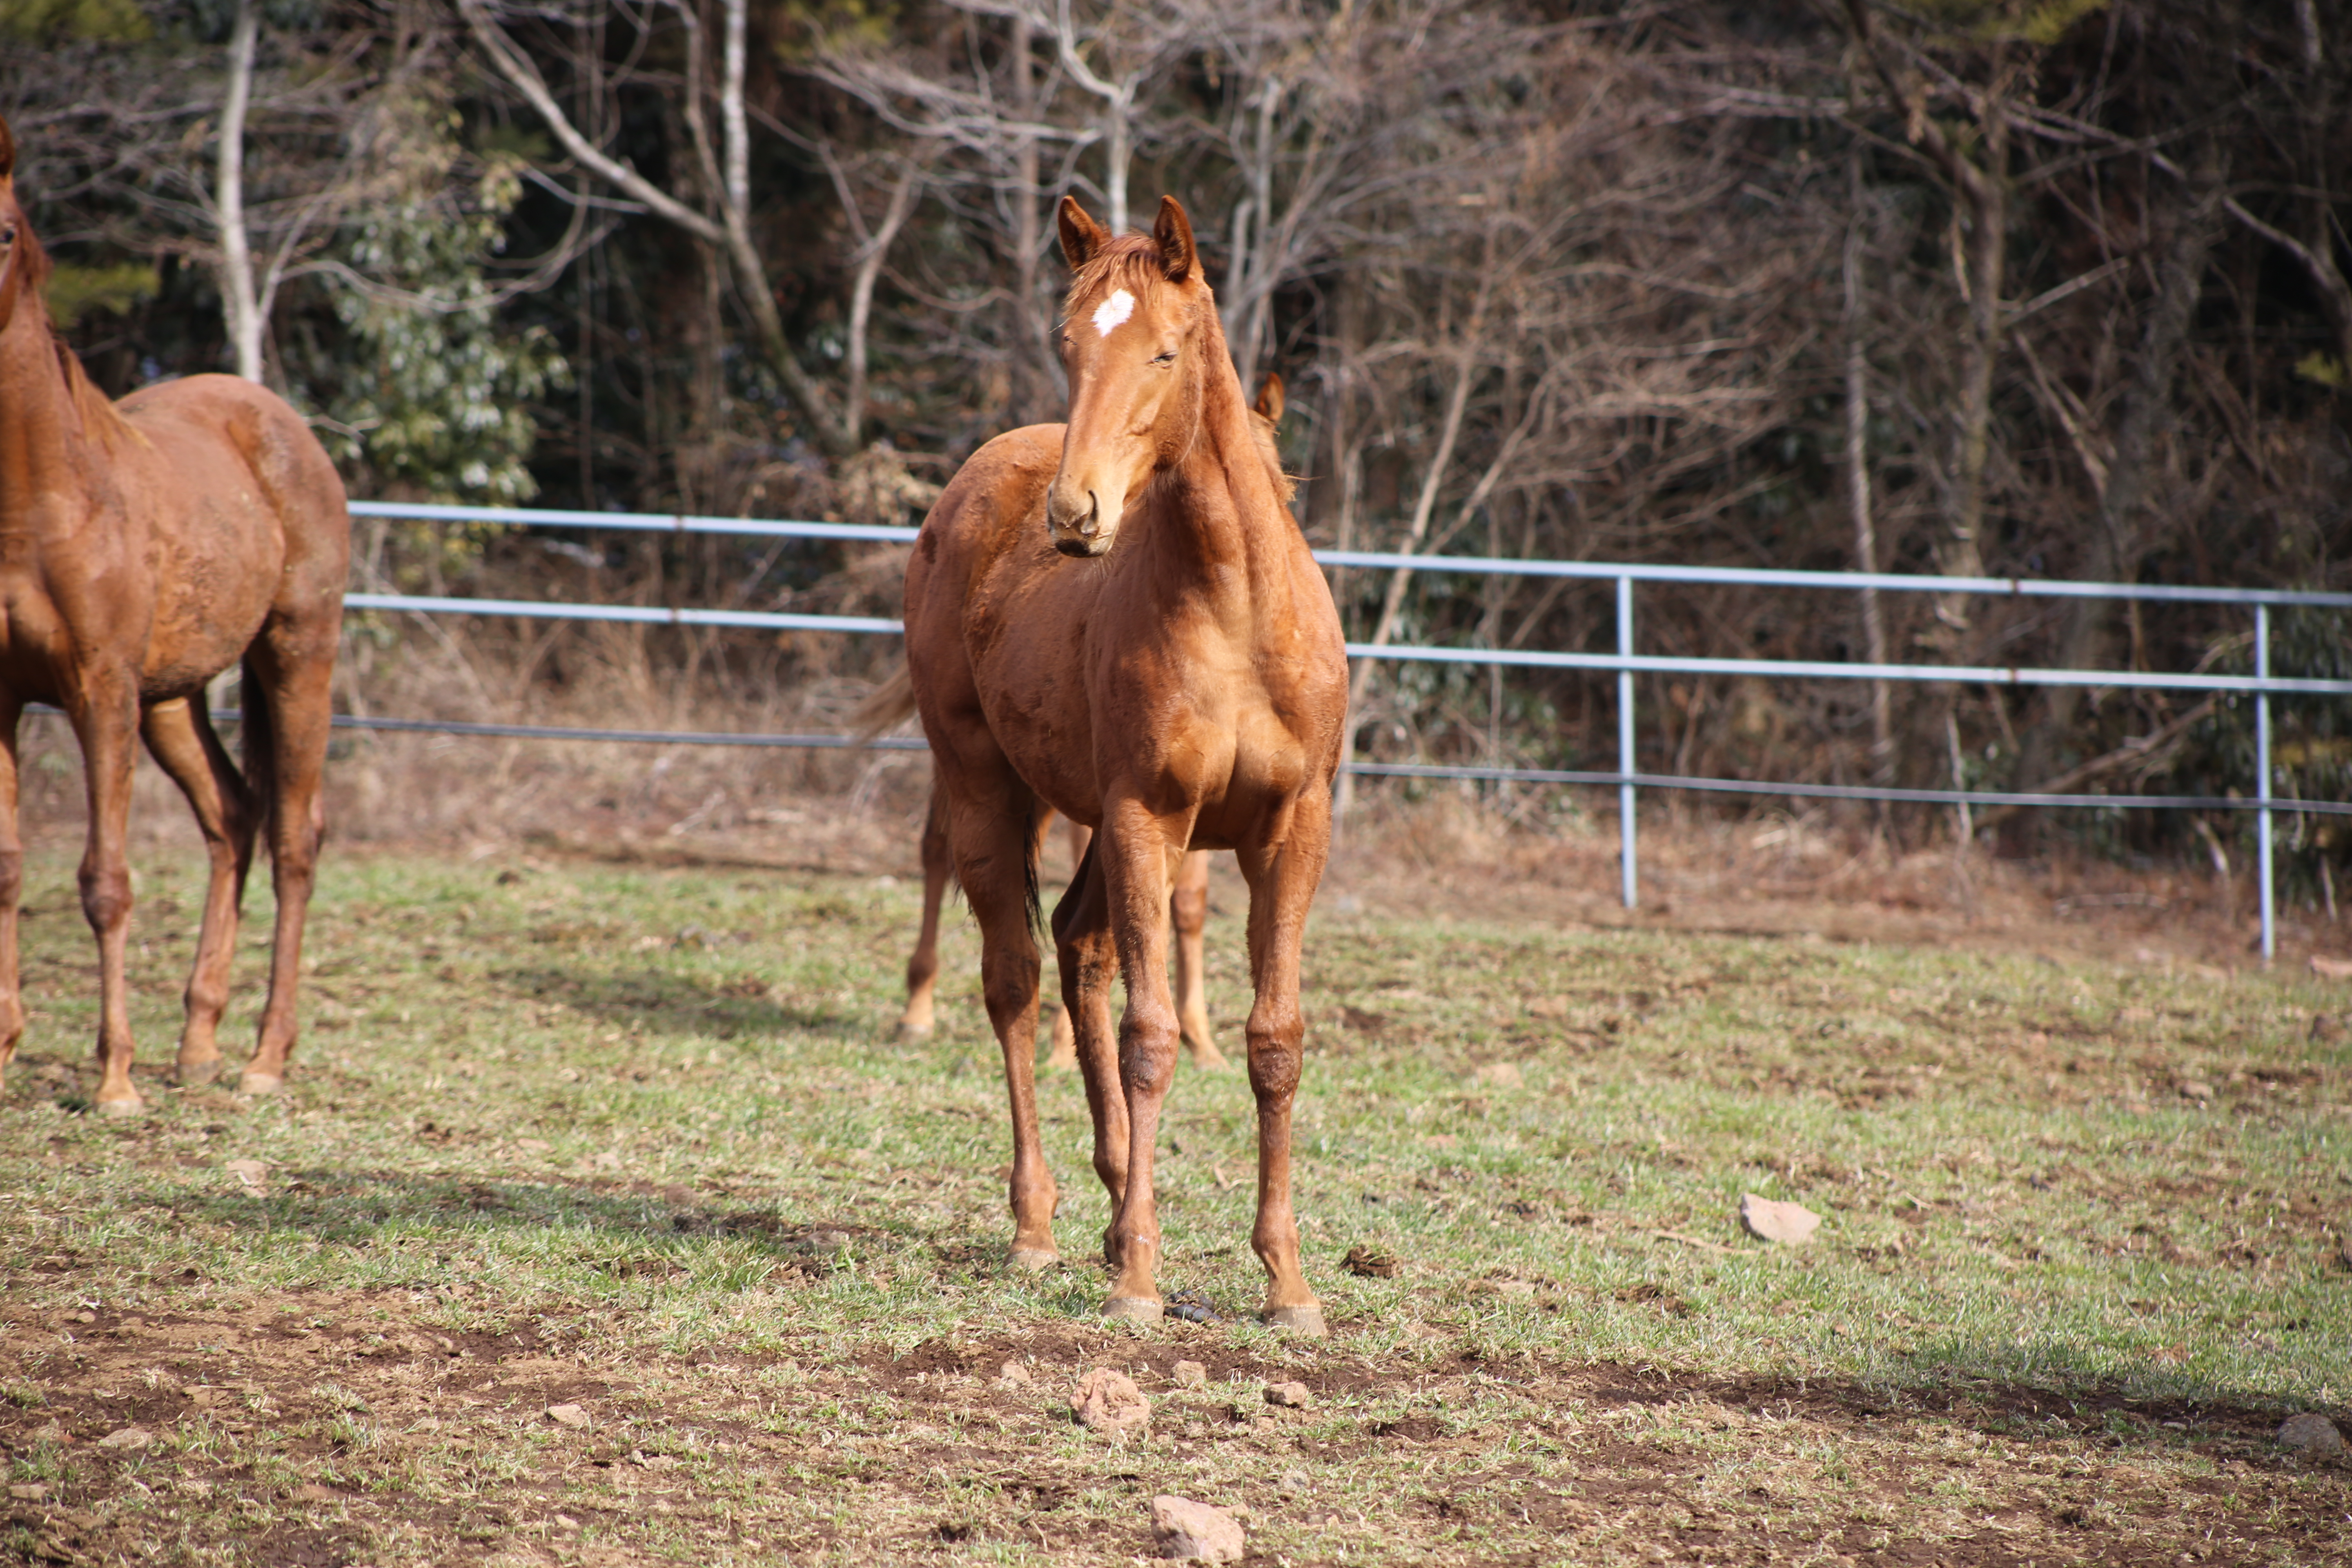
2262	780
1626	740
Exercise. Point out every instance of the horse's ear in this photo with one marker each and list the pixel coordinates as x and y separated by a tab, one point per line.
1268	406
7	151
1173	234
1081	235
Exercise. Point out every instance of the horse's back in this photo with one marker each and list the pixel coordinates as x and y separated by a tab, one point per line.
999	488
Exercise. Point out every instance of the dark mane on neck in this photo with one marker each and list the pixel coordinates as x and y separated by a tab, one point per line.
100	418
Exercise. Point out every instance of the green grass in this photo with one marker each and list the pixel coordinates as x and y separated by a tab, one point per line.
637	1140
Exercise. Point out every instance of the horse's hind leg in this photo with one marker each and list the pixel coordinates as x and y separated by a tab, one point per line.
1089	962
289	680
180	737
923	968
1188	911
1062	1054
11	887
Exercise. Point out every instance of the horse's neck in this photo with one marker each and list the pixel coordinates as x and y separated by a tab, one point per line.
40	431
1224	516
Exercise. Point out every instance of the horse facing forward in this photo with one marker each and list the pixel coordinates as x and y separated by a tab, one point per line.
1188	900
1119	619
145	546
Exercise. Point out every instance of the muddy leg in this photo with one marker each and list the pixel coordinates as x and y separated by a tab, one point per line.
1188	911
105	722
181	738
1282	878
989	829
11	887
923	968
1089	962
1133	852
288	675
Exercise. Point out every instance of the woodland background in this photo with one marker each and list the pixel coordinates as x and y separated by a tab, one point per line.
1975	286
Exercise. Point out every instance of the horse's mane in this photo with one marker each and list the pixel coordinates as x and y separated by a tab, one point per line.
1133	262
100	418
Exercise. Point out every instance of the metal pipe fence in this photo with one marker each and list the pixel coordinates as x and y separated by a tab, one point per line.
1626	778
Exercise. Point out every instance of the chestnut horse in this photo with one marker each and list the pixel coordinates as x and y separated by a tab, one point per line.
1188	901
149	546
1118	619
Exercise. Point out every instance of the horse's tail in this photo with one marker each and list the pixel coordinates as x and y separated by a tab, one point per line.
889	705
260	748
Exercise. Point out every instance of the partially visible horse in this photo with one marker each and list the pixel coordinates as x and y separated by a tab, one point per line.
1188	901
146	546
1118	620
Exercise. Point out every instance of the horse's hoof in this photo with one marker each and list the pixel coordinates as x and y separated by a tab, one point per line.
125	1105
908	1031
1034	1259
187	1075
260	1083
1134	1309
1305	1321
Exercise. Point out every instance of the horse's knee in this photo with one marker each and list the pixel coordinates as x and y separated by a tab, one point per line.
106	896
1189	907
12	877
1273	1057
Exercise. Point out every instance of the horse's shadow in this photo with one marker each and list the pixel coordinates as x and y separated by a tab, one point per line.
674	1005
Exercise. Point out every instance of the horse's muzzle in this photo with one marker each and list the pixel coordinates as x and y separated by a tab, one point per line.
1075	533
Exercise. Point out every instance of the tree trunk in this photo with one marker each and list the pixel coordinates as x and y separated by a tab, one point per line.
239	303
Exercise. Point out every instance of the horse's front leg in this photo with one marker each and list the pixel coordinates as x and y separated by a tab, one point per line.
12	886
105	718
1133	850
1282	875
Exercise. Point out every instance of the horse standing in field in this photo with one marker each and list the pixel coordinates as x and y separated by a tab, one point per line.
1188	900
146	546
1118	619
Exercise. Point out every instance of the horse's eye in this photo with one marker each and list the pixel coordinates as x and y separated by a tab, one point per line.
1168	358
8	235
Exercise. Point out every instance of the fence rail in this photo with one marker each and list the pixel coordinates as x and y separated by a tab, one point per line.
1626	663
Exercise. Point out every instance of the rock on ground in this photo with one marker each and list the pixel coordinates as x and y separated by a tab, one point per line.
1290	1396
2312	1433
1189	1374
1011	1374
1195	1532
567	1416
1768	1219
1109	1401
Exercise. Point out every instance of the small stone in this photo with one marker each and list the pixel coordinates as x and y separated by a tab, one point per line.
1109	1401
1192	1531
127	1438
2312	1433
1012	1374
2196	1089
248	1172
311	1491
1768	1219
828	1241
1289	1395
567	1416
1370	1263
52	1434
28	1491
1189	1374
1500	1075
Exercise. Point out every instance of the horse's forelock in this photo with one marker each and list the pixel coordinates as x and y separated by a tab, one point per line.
1130	262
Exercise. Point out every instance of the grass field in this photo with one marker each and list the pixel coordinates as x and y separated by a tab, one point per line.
635	1141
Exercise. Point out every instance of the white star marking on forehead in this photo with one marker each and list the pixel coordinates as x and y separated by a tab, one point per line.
1113	310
